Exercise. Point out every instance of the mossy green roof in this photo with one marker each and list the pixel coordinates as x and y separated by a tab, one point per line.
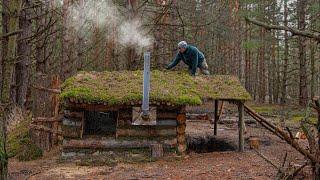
177	88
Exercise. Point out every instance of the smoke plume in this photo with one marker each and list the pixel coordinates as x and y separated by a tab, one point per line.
85	17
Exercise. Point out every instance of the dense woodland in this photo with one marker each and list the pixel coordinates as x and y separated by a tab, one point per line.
60	38
45	39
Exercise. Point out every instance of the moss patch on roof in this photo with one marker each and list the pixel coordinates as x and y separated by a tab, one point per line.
178	88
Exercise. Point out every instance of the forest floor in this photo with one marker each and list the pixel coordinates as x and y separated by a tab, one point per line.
218	159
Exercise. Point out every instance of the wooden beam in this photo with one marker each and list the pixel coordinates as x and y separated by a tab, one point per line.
221	109
47	119
113	144
70	114
55	91
241	126
45	129
216	117
166	115
75	104
146	133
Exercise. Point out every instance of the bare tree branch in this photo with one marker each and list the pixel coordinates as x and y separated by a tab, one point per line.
294	31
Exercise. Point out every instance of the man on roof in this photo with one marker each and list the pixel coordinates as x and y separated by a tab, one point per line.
192	57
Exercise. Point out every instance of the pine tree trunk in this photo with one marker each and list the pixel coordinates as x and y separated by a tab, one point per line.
317	166
247	59
7	77
4	43
303	89
313	69
9	60
313	47
286	57
131	52
274	67
3	152
24	52
262	77
65	54
4	48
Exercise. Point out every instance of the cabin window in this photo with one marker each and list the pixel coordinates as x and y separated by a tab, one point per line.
100	123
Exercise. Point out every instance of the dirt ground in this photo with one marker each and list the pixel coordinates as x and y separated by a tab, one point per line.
224	162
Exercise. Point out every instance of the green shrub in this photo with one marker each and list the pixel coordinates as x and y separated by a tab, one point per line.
20	145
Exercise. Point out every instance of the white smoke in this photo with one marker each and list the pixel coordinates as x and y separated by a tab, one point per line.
106	16
132	34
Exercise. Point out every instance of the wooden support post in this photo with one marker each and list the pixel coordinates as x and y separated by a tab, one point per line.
216	117
241	126
181	133
55	108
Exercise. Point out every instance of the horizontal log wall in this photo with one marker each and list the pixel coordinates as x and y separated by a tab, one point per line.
146	131
73	124
166	124
167	130
164	114
73	144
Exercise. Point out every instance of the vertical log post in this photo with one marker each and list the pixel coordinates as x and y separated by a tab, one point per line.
55	107
216	117
181	133
241	126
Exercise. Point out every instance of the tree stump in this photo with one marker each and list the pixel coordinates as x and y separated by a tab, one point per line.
254	143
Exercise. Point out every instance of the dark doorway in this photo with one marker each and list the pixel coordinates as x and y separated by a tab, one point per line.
209	143
100	123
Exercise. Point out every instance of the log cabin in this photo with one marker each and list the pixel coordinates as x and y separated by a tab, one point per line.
102	109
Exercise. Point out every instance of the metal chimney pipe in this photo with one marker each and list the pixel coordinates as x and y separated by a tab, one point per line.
146	85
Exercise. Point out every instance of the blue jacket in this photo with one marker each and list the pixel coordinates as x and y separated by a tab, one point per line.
192	57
